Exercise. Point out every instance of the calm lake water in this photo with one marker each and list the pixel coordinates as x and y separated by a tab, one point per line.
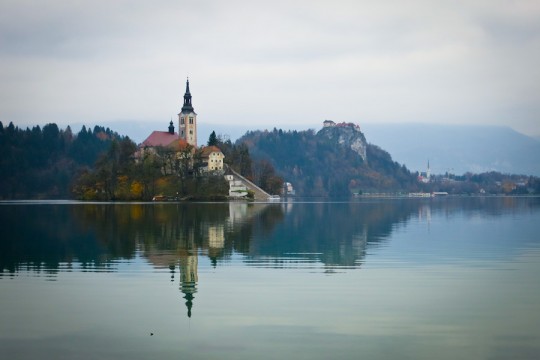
444	278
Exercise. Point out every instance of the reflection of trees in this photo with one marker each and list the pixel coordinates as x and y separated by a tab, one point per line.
336	234
492	206
111	226
43	237
46	235
215	229
40	238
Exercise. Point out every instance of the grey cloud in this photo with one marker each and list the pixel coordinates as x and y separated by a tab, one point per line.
444	61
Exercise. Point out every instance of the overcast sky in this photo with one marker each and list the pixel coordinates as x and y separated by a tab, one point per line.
271	63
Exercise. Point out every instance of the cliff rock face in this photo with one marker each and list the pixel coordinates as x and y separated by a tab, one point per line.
346	134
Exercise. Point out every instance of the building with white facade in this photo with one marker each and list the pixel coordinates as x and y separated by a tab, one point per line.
212	158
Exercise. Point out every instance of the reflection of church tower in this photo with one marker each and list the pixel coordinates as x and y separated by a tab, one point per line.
187	120
216	242
188	277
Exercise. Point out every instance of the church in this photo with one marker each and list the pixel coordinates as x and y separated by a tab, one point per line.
187	120
212	157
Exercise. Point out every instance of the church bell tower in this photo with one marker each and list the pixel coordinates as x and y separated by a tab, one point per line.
187	120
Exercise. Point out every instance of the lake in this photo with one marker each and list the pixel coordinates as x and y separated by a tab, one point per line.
441	278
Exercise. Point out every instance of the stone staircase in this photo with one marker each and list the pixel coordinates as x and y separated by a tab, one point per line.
259	194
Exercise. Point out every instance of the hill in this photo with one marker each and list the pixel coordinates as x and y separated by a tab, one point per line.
458	148
336	161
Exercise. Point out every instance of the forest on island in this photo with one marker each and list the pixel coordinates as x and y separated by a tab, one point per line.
122	173
100	164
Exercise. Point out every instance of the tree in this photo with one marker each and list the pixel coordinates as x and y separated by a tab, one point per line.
266	177
212	139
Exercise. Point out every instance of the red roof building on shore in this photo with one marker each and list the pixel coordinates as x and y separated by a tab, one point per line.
161	138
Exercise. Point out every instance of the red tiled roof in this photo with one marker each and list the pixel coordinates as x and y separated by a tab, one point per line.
180	144
206	151
160	138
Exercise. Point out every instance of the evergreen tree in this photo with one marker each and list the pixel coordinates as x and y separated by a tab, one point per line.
212	139
43	162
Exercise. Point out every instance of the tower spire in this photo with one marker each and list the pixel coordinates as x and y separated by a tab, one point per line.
187	120
187	108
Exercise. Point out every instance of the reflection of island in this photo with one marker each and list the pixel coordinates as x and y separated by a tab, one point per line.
186	260
336	235
184	234
46	238
188	277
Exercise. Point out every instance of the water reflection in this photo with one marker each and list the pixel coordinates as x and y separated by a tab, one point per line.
51	238
414	278
45	239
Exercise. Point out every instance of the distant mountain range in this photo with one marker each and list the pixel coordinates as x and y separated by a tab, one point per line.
449	148
457	148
